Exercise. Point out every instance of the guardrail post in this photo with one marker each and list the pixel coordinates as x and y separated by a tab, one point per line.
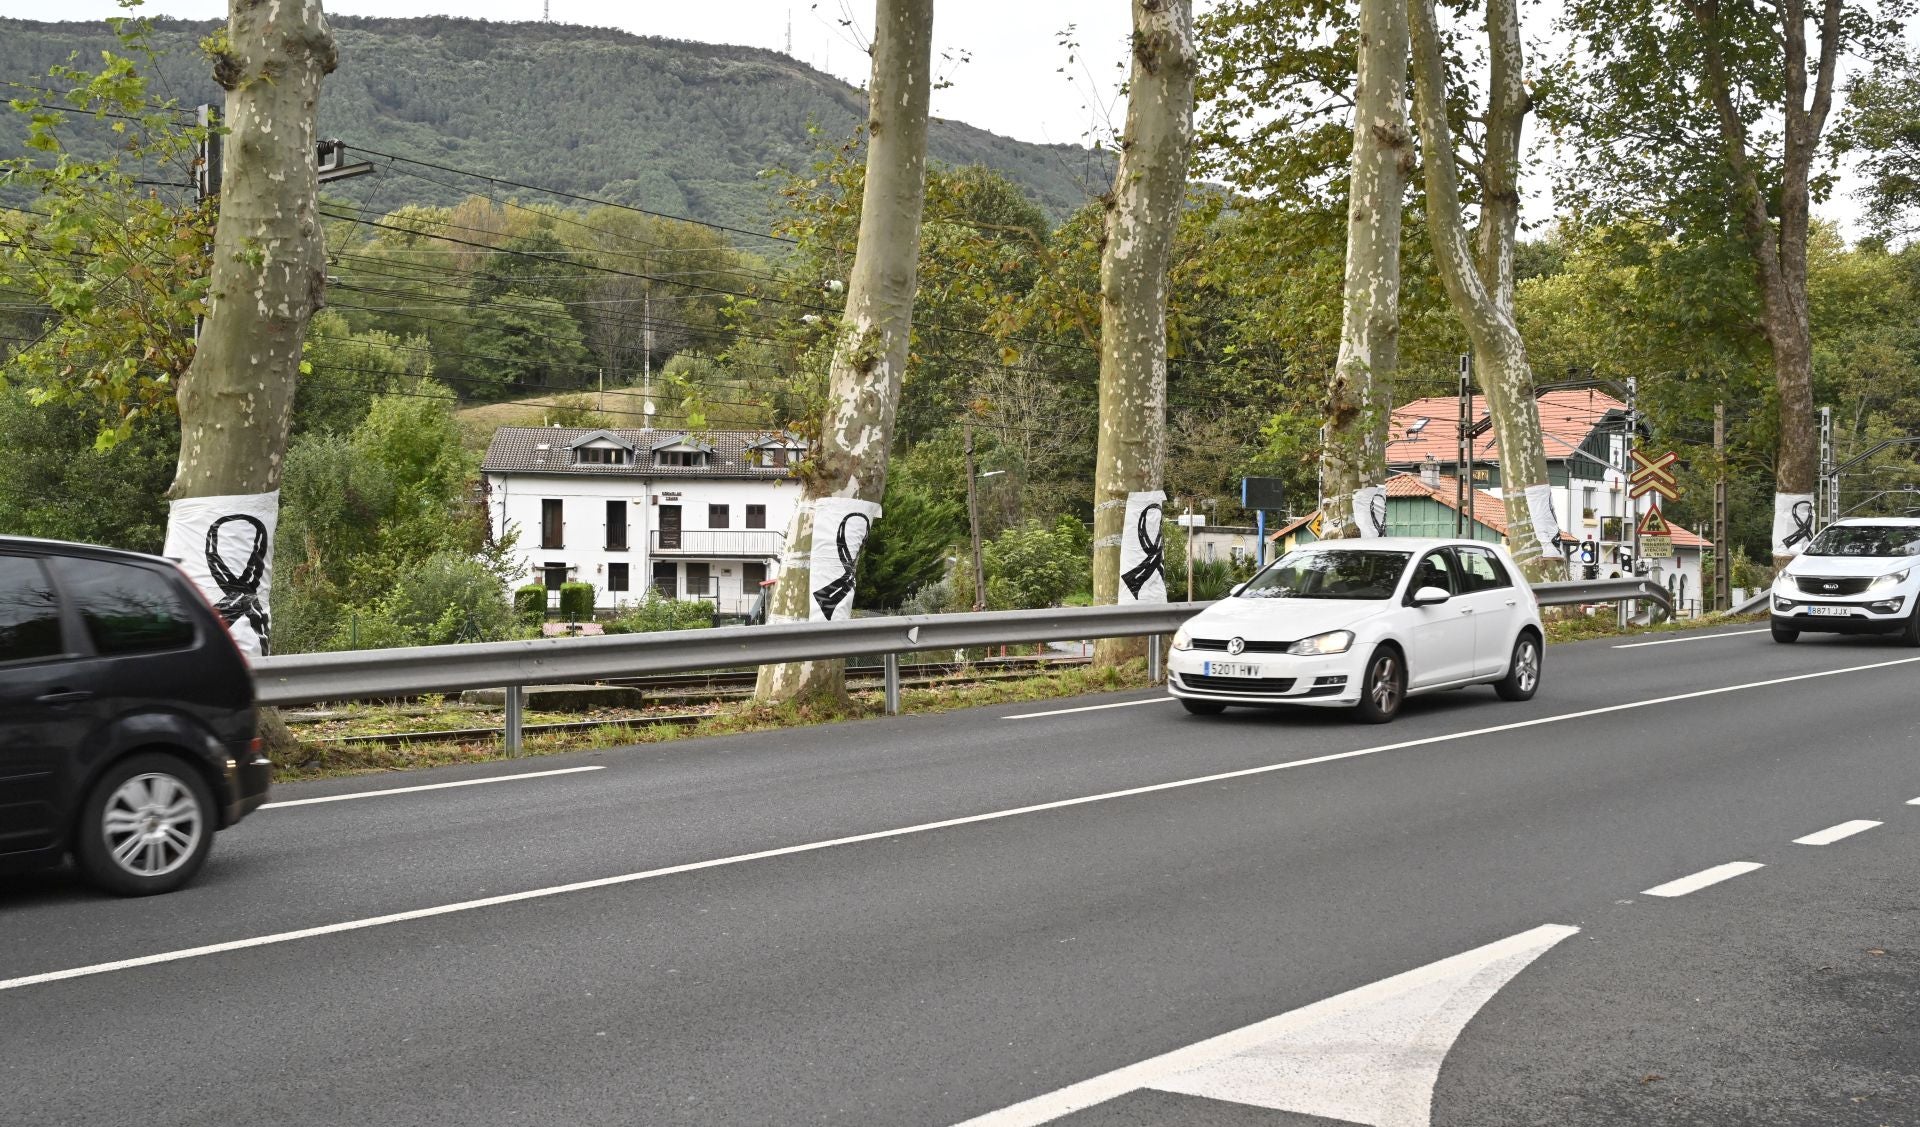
890	665
516	718
1154	673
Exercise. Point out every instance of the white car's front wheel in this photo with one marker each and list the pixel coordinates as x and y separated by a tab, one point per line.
1383	687
1523	670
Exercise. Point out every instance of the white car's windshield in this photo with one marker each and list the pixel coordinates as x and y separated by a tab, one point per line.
1330	573
1866	540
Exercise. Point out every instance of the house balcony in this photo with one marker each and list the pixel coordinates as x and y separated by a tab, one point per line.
748	544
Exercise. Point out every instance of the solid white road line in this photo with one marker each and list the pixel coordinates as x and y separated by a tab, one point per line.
1694	638
1087	708
924	827
1834	833
1913	802
430	786
1370	1055
1703	878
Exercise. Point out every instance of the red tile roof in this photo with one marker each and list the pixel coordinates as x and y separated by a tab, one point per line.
1566	418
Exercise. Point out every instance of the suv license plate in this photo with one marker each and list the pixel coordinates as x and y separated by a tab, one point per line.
1829	612
1230	669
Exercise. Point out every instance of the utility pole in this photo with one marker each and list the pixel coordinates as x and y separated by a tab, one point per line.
1464	487
1827	508
1722	553
973	528
1189	550
646	336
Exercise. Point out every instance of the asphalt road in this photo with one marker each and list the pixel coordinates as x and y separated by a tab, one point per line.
928	919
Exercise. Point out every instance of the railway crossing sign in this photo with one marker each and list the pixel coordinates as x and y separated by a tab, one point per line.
1656	536
1654	475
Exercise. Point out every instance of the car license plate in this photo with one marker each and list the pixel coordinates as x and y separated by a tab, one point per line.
1231	669
1828	612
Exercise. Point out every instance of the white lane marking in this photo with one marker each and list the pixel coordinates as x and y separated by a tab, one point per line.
1913	802
1369	1055
1087	708
1694	638
1834	833
924	827
430	786
1703	878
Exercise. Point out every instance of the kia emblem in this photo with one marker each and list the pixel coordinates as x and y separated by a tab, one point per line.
1832	586
1237	646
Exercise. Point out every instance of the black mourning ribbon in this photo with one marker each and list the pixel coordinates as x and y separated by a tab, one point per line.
1377	509
240	594
1802	513
1156	555
833	594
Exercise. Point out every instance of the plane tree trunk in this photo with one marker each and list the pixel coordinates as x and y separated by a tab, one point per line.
1484	303
1360	395
1142	214
849	459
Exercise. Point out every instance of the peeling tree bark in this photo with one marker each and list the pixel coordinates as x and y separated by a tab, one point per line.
850	458
1142	213
1779	252
1360	395
269	257
1498	351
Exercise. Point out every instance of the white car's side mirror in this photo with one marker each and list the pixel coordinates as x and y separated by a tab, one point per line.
1430	596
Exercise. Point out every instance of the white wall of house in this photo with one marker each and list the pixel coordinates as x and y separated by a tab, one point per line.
516	505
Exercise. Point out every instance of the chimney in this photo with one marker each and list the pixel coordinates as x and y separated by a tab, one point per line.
1430	471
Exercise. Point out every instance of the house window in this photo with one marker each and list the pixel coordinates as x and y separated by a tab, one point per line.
700	580
552	526
554	574
756	516
599	456
666	579
775	456
1587	507
680	458
616	577
752	575
617	528
717	516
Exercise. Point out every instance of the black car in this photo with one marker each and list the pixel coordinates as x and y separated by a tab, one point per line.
127	731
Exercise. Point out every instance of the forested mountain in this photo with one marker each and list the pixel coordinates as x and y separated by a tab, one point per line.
676	127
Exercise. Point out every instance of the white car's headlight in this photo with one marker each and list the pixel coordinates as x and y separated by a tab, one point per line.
1182	640
1332	642
1785	584
1888	582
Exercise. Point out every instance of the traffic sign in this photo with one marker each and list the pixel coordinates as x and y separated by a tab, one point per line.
1654	475
1656	547
1655	524
1313	526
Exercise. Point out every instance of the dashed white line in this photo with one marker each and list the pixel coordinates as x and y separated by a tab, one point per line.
1694	638
928	827
1834	833
1087	708
1703	879
430	786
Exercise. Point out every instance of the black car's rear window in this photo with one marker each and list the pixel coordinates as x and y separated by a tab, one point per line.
29	611
127	608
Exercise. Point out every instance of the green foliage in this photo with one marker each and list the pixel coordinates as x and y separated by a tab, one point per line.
120	270
1884	126
574	411
576	601
523	341
448	597
55	483
653	613
1035	566
343	370
909	547
530	604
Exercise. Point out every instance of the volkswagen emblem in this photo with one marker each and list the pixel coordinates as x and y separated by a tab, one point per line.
1237	646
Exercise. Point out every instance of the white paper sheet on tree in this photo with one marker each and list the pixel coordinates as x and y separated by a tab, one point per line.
1143	555
225	545
1792	523
1546	523
1370	511
840	527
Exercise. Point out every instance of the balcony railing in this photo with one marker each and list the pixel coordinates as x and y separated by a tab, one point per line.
743	543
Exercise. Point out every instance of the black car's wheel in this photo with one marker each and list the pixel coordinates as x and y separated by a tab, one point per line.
1523	671
1202	707
1383	687
1785	633
146	826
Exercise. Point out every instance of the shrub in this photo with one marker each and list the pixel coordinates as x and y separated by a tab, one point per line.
576	601
530	604
653	613
449	598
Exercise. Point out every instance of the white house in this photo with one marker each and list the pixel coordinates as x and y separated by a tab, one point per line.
700	515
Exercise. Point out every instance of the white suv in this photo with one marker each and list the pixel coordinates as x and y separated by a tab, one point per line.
1859	576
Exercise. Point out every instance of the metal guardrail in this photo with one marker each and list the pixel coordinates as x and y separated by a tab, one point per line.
373	674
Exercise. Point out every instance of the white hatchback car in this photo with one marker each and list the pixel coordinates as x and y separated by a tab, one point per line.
1858	576
1363	624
